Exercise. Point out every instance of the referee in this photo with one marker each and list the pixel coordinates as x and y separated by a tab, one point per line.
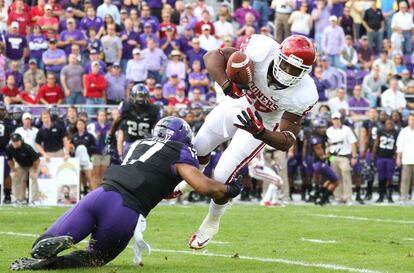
342	147
23	161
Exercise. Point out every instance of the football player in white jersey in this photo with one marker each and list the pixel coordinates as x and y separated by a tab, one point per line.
269	110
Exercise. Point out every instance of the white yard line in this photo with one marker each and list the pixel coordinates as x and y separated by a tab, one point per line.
334	267
362	218
318	241
218	242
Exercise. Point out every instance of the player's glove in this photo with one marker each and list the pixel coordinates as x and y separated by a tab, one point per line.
234	188
234	90
109	149
251	123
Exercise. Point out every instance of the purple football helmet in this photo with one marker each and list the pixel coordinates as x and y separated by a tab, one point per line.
173	128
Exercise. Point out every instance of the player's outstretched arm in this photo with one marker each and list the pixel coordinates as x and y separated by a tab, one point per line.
216	62
282	139
205	185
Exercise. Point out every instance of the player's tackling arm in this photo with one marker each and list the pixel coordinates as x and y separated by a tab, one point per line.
216	62
205	185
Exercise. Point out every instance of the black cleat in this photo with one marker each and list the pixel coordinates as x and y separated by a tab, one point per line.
359	200
390	200
380	199
368	197
50	247
28	264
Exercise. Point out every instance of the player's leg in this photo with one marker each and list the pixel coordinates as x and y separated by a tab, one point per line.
329	186
390	175
357	177
241	150
382	179
370	182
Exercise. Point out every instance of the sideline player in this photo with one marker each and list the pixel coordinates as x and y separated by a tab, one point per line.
137	118
115	212
281	90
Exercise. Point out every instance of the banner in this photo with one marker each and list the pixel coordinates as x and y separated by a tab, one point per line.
58	182
2	160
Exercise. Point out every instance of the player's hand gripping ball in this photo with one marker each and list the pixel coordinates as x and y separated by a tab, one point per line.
240	68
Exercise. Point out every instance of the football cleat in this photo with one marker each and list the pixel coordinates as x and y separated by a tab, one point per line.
199	240
51	246
27	264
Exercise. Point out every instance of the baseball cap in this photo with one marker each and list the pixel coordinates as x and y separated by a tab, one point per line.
175	52
123	10
158	85
180	87
26	115
333	18
93	51
70	21
116	64
48	7
32	61
147	24
16	137
136	51
69	9
336	115
174	75
52	41
364	37
14	24
94	63
195	40
206	26
324	58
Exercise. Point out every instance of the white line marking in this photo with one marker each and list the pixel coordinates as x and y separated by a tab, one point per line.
408	239
318	241
218	242
362	218
250	258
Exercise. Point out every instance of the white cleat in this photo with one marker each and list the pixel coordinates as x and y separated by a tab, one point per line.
199	240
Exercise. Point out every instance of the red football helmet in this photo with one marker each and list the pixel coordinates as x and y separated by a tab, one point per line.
294	60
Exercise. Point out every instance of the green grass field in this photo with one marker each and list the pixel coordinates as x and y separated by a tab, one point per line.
251	239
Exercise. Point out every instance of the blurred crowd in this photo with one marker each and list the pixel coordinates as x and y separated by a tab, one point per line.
90	53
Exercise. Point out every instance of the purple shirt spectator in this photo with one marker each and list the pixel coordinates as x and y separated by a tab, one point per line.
143	39
95	44
155	58
193	55
62	25
87	23
240	15
37	45
15	45
127	48
76	35
354	102
321	86
184	43
159	101
102	67
198	76
18	78
153	21
155	4
169	47
337	9
56	54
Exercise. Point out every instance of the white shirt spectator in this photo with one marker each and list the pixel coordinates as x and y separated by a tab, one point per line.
340	140
198	10
28	135
301	23
350	51
176	68
208	43
283	6
393	99
136	71
223	29
386	68
111	9
403	20
405	145
337	104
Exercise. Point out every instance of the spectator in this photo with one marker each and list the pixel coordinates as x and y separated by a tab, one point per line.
343	145
385	65
301	21
157	97
112	46
404	20
374	24
167	25
71	78
20	16
347	23
100	130
23	162
322	85
69	122
37	45
184	41
48	21
356	12
365	54
198	80
77	8
146	17
54	58
57	10
71	36
320	16
207	40
405	158
117	88
16	44
200	7
372	86
91	21
283	10
29	95
108	8
35	76
333	41
169	89
50	93
93	42
27	131
18	77
250	23
393	98
94	86
196	53
51	139
155	59
339	102
136	70
190	17
399	63
179	101
68	15
130	40
240	13
357	101
205	20
262	8
349	56
108	21
330	74
169	43
405	80
94	57
11	95
223	28
397	41
177	12
37	12
175	65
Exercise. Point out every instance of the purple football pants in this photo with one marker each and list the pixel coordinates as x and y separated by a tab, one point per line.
325	170
385	168
102	214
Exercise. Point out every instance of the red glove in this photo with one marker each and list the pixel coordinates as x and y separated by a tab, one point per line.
174	194
234	90
251	123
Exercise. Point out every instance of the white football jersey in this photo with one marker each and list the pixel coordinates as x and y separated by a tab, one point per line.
298	99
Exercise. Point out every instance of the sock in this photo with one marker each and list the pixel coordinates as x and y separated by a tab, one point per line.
382	187
369	186
303	190
7	192
389	194
211	223
291	190
326	194
275	197
358	190
269	193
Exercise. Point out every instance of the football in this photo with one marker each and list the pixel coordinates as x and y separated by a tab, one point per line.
240	68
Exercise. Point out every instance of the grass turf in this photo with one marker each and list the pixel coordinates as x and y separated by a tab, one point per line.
363	241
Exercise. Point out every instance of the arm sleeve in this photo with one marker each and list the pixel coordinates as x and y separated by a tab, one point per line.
188	156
